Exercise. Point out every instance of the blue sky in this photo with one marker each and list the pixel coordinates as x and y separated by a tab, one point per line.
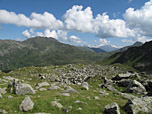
78	22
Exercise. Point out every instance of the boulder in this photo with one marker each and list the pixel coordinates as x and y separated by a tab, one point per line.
85	85
56	104
126	96
112	109
43	84
53	87
103	93
143	104
23	89
123	82
26	105
65	94
70	90
2	90
1	96
135	87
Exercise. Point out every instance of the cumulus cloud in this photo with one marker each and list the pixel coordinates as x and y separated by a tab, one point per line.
49	33
103	42
140	20
45	20
26	34
62	34
78	19
106	27
75	39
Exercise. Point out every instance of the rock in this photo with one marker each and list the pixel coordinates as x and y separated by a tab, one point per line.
42	113
3	111
96	98
143	104
56	104
42	89
9	78
125	76
85	85
23	89
80	102
123	83
103	93
1	96
43	84
126	96
112	109
2	90
10	96
135	87
79	108
65	94
26	105
54	88
70	90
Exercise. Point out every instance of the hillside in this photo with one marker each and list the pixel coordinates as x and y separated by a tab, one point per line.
41	51
137	57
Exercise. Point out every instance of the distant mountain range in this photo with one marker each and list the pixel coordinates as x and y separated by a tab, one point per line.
42	51
108	48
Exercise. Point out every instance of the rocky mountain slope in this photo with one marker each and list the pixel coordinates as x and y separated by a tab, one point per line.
75	89
41	51
137	57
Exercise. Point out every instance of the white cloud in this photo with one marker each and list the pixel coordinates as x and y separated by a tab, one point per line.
127	41
106	27
45	20
37	33
62	34
78	20
130	1
140	20
26	34
75	39
103	42
49	33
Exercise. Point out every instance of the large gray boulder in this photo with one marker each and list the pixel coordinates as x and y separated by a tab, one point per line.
23	89
143	104
112	109
135	87
70	90
26	105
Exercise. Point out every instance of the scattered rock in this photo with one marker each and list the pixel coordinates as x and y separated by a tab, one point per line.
54	88
79	108
112	109
2	90
143	104
26	105
123	83
1	96
43	84
65	94
80	102
42	89
10	96
23	89
96	98
3	111
70	90
56	104
85	85
103	93
126	96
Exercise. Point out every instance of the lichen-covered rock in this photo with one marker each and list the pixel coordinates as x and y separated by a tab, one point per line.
143	104
56	104
54	87
23	89
26	105
112	109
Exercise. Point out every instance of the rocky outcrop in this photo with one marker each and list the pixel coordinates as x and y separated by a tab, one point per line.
23	89
56	104
135	87
111	109
143	104
26	105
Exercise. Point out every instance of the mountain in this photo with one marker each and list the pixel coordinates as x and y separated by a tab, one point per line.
108	48
136	44
138	57
41	51
98	50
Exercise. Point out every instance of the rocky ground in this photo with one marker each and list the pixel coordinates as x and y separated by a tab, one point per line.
75	89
